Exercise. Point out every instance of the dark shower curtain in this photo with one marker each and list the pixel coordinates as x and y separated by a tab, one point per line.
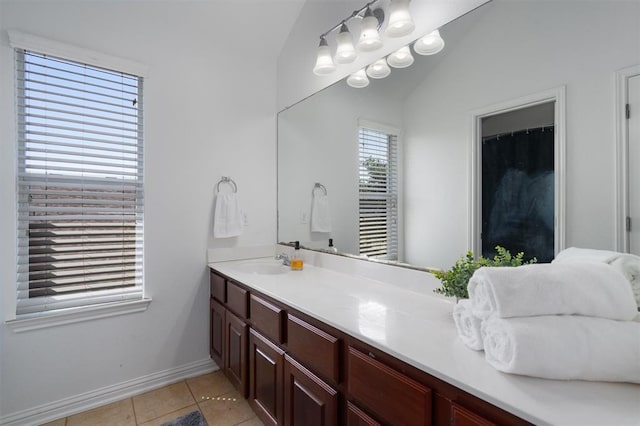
518	193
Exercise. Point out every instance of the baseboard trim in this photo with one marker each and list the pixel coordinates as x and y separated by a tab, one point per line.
86	401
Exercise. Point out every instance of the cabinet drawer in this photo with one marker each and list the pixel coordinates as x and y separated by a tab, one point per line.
460	416
267	318
237	299
357	417
314	348
218	288
395	397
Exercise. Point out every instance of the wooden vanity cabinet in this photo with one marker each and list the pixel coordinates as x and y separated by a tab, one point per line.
296	370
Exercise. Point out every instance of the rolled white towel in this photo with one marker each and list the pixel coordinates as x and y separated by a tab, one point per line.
590	289
564	347
627	264
585	255
468	325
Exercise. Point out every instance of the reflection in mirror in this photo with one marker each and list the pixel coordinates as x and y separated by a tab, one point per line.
502	51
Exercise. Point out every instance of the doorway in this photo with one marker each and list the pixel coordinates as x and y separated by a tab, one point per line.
517	182
517	188
628	143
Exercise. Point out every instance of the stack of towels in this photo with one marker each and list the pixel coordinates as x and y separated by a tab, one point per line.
570	320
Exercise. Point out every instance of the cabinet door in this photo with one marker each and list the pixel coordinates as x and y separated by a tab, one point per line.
308	401
460	416
266	392
236	352
216	332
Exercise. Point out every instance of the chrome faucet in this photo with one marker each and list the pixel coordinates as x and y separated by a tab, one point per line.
285	259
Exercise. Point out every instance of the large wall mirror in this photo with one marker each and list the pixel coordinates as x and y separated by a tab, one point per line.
420	173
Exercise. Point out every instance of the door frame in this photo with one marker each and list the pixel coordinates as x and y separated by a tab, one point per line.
622	155
557	95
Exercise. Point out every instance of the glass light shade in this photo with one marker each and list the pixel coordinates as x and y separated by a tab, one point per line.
358	79
400	22
378	69
324	63
345	52
430	44
369	35
401	58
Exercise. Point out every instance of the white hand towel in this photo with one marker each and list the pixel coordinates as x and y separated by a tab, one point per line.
564	347
468	325
227	218
627	264
590	289
320	214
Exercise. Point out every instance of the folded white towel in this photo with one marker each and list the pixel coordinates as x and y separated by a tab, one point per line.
590	289
468	325
627	264
320	213
564	347
227	218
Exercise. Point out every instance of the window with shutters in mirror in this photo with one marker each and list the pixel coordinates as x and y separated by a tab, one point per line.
80	184
378	194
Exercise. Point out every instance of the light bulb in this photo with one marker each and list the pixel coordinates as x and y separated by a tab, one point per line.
358	79
430	44
369	36
400	22
324	63
345	52
401	58
378	69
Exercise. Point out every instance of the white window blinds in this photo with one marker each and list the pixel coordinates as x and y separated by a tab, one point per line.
378	194
80	184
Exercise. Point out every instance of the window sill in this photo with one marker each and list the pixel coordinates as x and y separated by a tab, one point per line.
54	319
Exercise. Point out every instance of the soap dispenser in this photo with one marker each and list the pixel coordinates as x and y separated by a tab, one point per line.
332	249
296	258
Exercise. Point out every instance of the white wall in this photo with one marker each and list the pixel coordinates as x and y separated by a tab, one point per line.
509	50
318	142
209	111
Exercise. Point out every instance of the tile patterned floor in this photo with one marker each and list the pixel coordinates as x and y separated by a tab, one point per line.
212	394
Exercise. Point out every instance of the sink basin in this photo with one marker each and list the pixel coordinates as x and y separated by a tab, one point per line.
262	267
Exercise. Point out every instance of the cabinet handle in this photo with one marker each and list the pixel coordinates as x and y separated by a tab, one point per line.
372	355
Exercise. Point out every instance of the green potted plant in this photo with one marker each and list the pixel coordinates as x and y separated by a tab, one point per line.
455	280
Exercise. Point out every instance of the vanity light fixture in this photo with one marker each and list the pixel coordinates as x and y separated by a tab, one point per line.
358	79
345	52
369	36
379	69
324	63
430	44
400	22
401	58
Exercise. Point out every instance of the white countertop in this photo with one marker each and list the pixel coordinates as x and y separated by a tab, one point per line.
378	314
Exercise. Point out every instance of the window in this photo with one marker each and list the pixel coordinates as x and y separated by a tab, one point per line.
378	194
80	184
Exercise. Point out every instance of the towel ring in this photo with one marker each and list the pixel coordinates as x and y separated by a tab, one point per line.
229	181
318	185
